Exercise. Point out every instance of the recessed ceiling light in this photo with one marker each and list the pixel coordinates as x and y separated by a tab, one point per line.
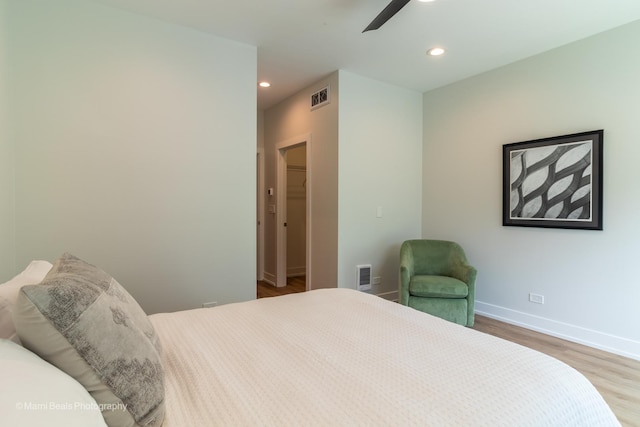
435	51
264	84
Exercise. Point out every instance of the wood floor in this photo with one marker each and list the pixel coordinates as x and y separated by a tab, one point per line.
294	285
617	378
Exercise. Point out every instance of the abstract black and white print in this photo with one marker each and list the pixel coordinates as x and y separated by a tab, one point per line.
552	182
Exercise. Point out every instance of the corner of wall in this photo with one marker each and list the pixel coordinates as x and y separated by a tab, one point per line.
380	202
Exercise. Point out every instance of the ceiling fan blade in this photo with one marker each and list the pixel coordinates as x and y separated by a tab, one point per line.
386	14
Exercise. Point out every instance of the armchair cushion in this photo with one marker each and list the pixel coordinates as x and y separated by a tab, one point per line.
437	287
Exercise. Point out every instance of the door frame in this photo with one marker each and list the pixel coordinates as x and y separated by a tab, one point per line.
281	211
260	214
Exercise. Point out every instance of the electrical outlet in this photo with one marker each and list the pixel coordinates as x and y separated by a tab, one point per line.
209	304
536	298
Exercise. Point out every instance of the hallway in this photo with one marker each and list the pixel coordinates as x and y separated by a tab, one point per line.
294	285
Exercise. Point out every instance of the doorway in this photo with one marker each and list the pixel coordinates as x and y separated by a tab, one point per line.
296	216
260	215
293	202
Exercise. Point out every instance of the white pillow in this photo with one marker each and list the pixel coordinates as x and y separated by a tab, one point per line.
34	273
36	393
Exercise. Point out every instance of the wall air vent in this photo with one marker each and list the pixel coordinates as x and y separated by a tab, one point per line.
320	98
363	277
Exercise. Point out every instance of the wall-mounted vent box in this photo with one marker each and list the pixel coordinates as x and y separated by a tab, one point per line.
363	277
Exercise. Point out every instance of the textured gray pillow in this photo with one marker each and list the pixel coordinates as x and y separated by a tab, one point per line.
82	320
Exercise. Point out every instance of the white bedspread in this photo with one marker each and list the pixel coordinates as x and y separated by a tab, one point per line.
344	358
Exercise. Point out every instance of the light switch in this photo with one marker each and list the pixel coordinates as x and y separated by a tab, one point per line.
379	212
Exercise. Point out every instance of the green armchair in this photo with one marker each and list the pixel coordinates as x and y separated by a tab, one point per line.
436	278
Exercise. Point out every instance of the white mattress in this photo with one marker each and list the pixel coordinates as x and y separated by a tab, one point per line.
340	357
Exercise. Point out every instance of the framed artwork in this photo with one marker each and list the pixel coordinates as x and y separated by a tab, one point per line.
553	182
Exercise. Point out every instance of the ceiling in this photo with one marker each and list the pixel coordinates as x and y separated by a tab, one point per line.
301	41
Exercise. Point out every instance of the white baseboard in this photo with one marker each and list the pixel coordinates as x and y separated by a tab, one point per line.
589	337
296	271
269	278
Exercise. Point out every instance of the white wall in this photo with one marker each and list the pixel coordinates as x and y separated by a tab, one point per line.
380	165
284	122
7	199
588	278
135	149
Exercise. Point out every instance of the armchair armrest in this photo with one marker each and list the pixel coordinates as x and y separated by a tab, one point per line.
467	273
406	271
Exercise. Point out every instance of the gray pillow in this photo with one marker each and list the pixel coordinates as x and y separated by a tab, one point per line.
83	321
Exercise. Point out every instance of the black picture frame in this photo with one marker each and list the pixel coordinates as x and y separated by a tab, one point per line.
554	182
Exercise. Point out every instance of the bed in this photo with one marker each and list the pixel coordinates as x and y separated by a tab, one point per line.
339	357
